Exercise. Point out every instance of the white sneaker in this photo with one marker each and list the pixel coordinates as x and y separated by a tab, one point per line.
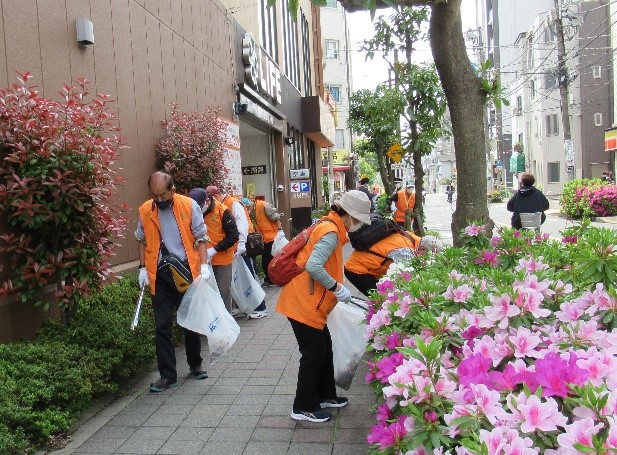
258	314
236	313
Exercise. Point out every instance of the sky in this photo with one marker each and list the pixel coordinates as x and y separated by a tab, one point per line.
367	74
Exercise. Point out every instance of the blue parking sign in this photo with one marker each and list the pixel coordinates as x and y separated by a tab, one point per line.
304	187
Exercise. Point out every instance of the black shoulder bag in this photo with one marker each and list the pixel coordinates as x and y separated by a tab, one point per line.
173	271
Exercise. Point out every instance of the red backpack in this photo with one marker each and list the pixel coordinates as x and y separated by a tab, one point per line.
283	267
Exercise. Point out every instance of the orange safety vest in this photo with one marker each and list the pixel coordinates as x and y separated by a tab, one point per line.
182	207
214	223
365	262
305	300
266	227
404	201
228	201
248	218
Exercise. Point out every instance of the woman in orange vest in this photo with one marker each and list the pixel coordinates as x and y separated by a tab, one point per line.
308	299
403	200
267	221
364	269
223	235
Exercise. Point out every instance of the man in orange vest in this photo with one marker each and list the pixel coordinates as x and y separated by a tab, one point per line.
175	222
267	221
237	210
223	235
401	201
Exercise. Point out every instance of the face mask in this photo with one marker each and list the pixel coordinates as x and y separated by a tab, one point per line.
409	191
355	226
162	205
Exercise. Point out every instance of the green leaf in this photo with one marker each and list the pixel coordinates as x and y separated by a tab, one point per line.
584	449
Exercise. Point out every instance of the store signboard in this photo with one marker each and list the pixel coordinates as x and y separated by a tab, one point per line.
231	156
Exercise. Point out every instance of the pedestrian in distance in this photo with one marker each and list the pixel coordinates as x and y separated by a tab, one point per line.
222	238
528	199
401	201
309	297
450	192
365	189
267	221
364	269
170	223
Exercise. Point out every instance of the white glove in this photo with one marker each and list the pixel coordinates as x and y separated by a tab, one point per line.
343	294
204	272
241	249
211	253
280	234
144	279
393	207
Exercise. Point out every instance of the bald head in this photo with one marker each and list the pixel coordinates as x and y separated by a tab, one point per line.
160	181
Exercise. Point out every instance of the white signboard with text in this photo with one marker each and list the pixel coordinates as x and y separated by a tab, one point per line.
232	160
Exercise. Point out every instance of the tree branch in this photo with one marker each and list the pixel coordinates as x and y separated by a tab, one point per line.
360	5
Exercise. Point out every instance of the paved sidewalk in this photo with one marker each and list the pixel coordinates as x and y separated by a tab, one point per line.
242	408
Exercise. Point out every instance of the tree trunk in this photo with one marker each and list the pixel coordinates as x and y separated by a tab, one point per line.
384	171
466	103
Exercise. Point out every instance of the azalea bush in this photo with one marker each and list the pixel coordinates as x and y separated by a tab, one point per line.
578	194
506	345
57	184
192	151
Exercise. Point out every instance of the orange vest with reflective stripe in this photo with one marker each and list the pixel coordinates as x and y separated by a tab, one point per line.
267	228
214	223
304	299
364	262
148	213
404	201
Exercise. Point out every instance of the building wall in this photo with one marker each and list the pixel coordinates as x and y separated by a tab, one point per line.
147	55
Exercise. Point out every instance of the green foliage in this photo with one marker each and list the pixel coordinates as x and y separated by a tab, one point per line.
382	207
575	197
495	195
57	182
46	384
191	149
595	259
491	87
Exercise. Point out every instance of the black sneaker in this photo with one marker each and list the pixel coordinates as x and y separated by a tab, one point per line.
198	372
337	402
315	416
163	384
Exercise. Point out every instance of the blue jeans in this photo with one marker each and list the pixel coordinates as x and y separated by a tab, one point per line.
248	260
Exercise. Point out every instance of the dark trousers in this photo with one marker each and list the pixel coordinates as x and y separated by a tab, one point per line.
266	257
165	300
248	260
363	282
316	372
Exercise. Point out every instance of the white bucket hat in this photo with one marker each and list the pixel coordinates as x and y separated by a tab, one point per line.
356	204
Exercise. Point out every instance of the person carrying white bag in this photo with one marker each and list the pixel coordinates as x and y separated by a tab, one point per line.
202	310
245	290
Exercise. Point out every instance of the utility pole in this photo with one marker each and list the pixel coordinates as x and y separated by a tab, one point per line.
564	80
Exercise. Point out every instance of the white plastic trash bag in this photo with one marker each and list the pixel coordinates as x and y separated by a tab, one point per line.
245	290
212	280
278	244
347	324
202	310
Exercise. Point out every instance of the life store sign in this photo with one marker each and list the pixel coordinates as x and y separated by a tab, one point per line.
260	71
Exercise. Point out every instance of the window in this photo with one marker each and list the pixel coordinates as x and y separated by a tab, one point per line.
532	88
332	49
597	72
306	57
553	172
331	3
269	30
339	142
335	91
550	81
290	46
597	119
549	35
552	126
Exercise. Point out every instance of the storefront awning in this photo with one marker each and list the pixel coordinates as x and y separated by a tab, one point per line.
317	121
337	168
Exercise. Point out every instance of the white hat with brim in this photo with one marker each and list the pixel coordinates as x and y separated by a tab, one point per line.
356	204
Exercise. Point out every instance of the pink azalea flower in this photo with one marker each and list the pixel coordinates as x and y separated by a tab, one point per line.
532	265
508	379
570	311
529	300
487	401
501	310
473	370
516	234
387	365
459	294
601	300
383	287
555	375
494	440
611	439
532	282
488	257
393	341
385	435
456	276
597	365
495	241
580	432
524	342
403	307
474	230
540	416
520	446
379	319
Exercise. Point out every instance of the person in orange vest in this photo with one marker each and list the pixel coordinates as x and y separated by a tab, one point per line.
364	269
267	221
175	222
401	201
223	235
309	297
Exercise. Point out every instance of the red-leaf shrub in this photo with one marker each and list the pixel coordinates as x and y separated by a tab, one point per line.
192	149
56	182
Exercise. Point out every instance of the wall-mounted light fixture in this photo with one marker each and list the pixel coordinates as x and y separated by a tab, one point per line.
85	32
240	108
289	140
